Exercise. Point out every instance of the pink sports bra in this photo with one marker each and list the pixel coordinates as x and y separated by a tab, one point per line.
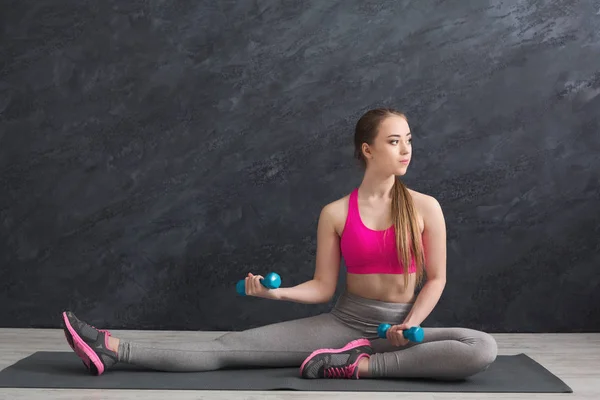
367	251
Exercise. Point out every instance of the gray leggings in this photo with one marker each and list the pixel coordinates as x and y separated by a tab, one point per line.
445	353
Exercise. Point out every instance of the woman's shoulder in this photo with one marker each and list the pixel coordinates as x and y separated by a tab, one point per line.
423	199
428	208
336	211
418	197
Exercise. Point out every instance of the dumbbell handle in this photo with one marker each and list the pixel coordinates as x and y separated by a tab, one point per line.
414	334
271	281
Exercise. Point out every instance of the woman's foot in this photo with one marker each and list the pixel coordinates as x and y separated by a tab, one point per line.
90	344
337	363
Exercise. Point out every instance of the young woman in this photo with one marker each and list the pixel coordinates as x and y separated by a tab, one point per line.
390	237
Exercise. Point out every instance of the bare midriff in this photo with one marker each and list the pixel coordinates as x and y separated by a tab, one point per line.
382	287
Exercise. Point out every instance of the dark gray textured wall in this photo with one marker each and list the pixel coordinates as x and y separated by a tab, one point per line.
152	153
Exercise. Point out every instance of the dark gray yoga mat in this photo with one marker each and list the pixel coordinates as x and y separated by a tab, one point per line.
514	374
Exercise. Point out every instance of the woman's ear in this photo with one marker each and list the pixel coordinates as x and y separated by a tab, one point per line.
366	150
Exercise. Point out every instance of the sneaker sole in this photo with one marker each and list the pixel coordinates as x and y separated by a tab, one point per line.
81	348
353	344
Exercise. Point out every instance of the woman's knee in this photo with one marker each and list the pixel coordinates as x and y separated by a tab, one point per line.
482	352
489	346
485	351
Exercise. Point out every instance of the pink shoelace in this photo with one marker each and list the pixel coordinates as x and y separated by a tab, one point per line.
340	372
101	330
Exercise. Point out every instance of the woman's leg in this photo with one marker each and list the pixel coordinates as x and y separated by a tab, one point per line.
281	344
445	353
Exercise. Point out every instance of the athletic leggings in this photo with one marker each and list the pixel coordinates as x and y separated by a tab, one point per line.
445	353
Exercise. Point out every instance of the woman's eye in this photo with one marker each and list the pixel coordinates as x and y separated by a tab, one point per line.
396	141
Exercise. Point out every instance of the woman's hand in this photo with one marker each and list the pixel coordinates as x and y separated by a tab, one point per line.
394	335
256	289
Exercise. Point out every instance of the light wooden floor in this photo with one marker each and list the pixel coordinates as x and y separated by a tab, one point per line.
575	358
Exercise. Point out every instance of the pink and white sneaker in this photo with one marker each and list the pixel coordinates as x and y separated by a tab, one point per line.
336	363
89	343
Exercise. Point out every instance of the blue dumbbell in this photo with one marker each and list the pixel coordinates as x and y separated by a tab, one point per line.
271	281
414	334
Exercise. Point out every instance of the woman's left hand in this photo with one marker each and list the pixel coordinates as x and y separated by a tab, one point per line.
394	335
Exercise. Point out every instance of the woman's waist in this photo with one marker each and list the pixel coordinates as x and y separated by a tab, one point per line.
350	306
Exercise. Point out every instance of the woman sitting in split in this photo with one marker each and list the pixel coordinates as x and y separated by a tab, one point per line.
391	237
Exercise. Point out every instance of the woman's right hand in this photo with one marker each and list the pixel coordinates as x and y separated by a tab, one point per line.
256	289
395	335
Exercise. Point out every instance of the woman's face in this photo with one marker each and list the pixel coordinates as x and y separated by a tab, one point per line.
392	150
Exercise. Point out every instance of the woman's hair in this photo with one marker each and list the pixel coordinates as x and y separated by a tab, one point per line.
408	236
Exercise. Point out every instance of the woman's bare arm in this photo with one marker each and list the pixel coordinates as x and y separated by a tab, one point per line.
322	287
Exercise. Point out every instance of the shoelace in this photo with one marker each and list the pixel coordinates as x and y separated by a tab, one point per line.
101	330
340	372
105	331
